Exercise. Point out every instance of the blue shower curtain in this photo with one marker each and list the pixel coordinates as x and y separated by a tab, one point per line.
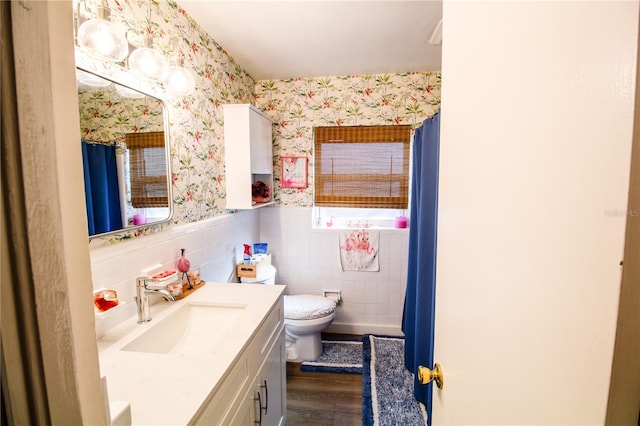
419	305
101	187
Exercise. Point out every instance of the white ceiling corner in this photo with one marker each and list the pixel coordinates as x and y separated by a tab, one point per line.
307	38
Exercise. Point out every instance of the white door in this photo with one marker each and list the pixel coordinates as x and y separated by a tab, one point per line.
537	114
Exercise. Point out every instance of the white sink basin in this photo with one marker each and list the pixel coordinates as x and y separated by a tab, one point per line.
192	329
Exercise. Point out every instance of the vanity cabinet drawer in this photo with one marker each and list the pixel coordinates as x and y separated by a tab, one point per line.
269	330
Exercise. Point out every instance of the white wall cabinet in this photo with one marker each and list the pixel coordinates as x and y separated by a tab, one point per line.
254	392
248	154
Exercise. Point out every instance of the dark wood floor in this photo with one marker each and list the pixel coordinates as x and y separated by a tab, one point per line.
323	399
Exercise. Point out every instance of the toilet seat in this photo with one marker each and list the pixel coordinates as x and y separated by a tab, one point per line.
306	307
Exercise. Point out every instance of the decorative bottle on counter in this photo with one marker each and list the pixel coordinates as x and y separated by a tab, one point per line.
183	263
183	266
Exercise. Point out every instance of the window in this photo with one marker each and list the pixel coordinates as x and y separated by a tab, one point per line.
148	168
362	166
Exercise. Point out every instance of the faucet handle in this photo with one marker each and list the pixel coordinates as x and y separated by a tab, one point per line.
151	284
141	282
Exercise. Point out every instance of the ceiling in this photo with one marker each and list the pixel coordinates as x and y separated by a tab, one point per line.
306	38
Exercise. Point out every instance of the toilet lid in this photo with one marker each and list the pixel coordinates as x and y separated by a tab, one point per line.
304	306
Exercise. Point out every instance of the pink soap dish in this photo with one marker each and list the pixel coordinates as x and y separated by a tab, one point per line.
164	276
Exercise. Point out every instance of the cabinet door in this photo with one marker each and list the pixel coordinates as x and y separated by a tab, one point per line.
261	144
273	386
248	408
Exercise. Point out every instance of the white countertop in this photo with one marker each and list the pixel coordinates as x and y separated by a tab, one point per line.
168	389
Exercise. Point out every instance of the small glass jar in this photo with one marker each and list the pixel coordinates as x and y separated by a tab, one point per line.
175	288
193	274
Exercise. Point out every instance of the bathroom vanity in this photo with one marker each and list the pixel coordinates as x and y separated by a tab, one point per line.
216	357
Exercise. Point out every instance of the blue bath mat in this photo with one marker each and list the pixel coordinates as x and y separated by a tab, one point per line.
387	387
338	356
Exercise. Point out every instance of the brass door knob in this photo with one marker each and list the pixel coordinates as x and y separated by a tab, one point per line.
426	375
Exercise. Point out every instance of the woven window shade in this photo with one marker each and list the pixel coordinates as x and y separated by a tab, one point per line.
148	169
362	166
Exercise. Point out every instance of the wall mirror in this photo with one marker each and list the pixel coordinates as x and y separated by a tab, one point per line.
125	152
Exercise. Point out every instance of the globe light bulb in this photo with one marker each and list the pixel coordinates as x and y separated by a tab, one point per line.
148	62
102	39
179	82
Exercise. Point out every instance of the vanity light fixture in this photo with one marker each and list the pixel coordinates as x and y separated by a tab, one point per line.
179	80
104	40
101	38
148	62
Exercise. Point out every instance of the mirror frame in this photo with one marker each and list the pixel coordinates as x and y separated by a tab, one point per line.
167	143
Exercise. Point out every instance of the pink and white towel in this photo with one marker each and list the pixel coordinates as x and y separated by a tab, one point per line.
359	250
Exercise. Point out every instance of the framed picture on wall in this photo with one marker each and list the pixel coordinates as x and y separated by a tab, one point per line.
294	172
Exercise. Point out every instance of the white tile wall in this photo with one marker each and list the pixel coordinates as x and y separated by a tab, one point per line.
308	262
211	244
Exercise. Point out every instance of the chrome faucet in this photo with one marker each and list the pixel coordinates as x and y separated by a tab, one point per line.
142	298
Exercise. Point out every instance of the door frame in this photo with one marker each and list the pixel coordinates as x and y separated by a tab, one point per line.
624	391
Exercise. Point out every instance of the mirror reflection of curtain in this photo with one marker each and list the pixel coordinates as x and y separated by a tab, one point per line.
101	187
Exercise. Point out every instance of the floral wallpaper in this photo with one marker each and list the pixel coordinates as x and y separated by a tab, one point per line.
297	105
195	121
106	116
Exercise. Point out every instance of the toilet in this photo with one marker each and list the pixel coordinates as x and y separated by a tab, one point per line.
305	317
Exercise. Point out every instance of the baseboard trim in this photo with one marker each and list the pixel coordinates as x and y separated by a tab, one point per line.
384	330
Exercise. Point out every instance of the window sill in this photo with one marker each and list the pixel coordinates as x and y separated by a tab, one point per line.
341	228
